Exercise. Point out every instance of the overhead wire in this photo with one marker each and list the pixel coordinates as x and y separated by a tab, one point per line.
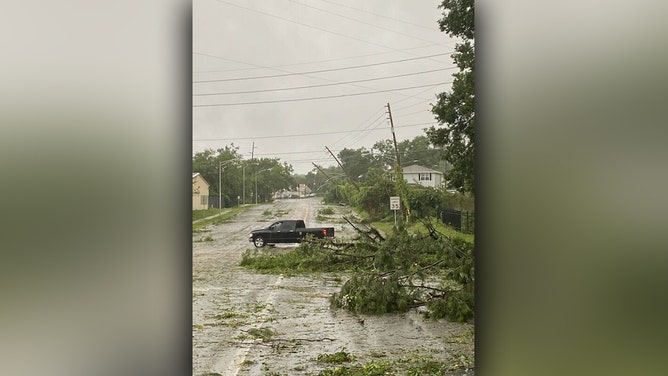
310	26
301	63
412	113
364	131
358	137
316	71
407	96
317	98
412	105
364	23
379	112
377	15
295	135
324	85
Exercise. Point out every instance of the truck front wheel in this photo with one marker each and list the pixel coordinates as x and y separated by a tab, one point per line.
259	242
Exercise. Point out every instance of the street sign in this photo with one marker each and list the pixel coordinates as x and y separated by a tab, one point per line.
395	203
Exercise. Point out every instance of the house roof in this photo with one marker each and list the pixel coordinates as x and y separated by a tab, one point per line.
417	169
195	174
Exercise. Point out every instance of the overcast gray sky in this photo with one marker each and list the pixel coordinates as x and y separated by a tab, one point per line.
294	76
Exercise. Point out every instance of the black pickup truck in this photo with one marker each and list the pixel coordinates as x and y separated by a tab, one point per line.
287	231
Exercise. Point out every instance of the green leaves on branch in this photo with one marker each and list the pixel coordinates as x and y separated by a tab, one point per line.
388	274
373	295
409	271
454	110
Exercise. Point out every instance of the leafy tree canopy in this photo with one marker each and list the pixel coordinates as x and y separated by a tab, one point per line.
454	110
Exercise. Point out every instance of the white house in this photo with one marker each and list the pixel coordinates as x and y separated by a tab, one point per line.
200	192
423	176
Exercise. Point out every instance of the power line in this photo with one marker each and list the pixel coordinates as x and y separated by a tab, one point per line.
303	74
310	26
412	105
317	71
380	112
323	85
376	125
301	63
412	113
378	15
362	22
316	98
293	152
301	135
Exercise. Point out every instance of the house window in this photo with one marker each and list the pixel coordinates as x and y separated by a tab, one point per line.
204	200
425	176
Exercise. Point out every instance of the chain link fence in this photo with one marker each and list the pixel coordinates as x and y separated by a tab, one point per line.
462	221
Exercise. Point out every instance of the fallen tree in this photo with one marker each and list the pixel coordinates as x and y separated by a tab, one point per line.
389	273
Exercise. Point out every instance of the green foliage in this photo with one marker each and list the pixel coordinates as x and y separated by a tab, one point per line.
454	110
431	367
458	18
456	306
199	214
375	368
374	197
355	163
323	213
391	275
336	358
225	216
426	202
264	334
225	167
309	256
418	151
326	211
371	294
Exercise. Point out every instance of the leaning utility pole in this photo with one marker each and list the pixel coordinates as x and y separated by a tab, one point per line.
321	170
394	137
344	171
400	183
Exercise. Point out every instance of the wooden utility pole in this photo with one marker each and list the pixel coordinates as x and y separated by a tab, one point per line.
394	137
344	170
321	170
400	184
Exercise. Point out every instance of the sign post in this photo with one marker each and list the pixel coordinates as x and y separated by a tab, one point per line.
395	204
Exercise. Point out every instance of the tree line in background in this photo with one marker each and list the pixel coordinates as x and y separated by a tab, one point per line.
239	177
360	166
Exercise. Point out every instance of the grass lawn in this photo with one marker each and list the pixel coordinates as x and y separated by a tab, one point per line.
199	214
225	216
418	228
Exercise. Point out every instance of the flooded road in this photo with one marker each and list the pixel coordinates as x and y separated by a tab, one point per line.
246	323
